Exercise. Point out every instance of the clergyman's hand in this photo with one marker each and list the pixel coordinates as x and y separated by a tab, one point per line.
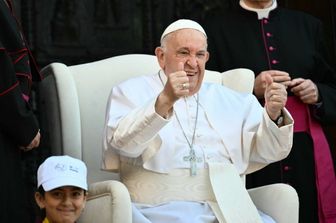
275	97
280	77
33	144
305	89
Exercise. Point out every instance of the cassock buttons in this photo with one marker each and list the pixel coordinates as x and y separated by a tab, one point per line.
271	48
287	168
275	62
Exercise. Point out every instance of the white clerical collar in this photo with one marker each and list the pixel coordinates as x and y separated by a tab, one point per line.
262	13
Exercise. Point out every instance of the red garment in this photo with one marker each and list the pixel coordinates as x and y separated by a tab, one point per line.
326	185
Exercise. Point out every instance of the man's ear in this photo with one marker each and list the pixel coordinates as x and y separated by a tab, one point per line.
39	200
207	56
159	52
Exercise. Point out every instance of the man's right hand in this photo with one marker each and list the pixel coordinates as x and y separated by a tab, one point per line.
177	86
277	76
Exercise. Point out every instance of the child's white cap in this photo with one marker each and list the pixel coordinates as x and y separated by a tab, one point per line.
59	171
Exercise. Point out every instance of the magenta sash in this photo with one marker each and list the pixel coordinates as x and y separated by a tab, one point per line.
324	169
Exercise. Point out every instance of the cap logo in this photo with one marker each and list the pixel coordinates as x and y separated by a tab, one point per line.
73	169
60	167
59	171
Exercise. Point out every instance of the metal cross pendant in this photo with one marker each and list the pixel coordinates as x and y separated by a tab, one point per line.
193	159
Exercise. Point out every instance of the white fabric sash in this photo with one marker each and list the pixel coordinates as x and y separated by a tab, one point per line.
232	198
229	201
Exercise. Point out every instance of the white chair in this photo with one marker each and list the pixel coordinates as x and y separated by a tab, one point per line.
74	100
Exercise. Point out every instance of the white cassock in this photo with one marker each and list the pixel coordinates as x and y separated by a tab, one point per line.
231	128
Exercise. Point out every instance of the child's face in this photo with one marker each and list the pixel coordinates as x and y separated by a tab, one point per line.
63	204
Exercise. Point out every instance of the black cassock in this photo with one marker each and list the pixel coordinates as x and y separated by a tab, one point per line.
18	125
289	41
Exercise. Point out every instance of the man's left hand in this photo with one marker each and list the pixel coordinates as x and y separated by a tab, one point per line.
275	97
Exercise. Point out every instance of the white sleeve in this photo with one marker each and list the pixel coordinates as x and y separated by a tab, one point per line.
131	125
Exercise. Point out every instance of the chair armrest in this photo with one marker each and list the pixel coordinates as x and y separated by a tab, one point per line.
280	201
108	201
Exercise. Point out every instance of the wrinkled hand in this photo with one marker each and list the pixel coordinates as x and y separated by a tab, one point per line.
277	76
177	86
33	144
275	97
305	89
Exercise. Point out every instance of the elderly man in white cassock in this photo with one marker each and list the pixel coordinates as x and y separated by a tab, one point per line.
180	144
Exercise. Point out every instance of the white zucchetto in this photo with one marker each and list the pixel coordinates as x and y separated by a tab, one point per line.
182	24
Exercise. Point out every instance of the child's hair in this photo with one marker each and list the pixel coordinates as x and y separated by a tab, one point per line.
41	212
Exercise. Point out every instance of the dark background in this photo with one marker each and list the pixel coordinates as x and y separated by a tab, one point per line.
79	31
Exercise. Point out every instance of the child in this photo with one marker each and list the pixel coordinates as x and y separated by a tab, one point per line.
62	188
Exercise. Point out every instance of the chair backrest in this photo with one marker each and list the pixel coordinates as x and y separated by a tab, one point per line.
74	98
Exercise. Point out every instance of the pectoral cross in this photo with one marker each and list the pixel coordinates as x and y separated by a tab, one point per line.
193	159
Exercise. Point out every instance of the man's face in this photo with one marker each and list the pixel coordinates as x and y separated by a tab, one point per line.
188	46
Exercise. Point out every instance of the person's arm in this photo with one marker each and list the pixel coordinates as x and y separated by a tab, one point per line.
269	142
17	121
131	119
272	141
325	80
134	119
